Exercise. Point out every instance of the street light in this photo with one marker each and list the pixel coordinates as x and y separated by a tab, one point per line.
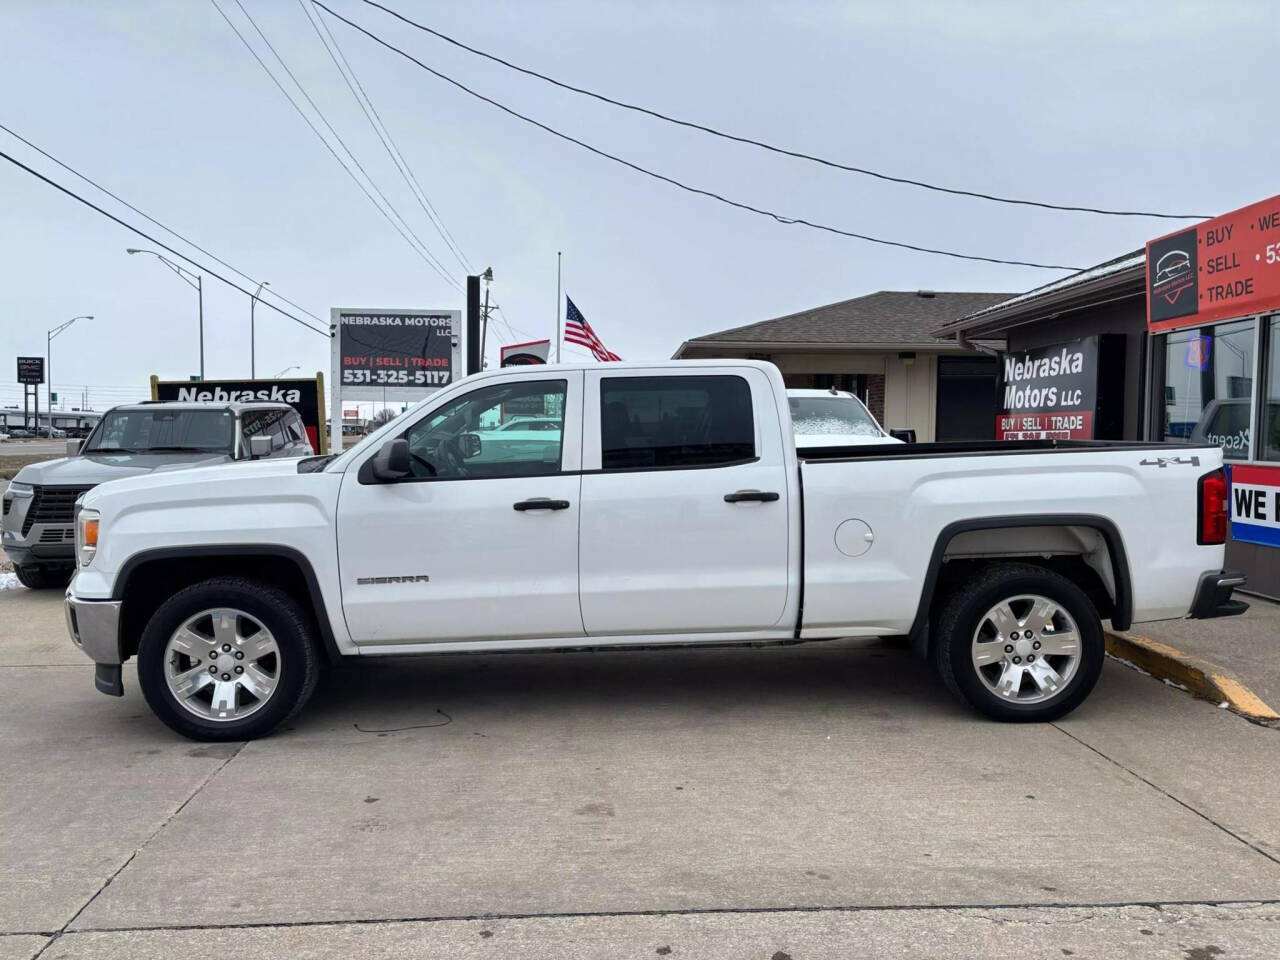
296	366
48	365
186	275
252	303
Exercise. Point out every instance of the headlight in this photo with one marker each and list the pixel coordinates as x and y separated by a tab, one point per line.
20	489
87	535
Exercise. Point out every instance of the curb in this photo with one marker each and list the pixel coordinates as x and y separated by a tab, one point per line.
1201	678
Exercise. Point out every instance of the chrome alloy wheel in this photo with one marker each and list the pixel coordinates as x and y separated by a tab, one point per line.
222	664
1026	649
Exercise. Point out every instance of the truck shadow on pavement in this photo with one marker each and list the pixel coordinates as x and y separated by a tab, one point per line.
869	679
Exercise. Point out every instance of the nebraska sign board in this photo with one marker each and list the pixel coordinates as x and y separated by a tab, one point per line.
1225	267
1050	392
304	395
394	354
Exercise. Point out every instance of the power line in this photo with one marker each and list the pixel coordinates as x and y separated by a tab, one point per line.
383	132
425	251
772	148
146	236
145	216
777	217
422	253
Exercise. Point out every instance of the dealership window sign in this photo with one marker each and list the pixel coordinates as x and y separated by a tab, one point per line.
1225	267
306	395
1054	392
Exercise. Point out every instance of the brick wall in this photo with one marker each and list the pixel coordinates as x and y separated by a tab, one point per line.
875	395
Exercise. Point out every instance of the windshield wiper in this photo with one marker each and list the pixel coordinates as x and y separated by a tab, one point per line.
110	450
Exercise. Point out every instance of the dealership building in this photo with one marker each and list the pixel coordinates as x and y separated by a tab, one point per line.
883	348
1179	342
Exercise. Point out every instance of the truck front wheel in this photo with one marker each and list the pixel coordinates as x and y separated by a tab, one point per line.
227	659
1019	643
43	578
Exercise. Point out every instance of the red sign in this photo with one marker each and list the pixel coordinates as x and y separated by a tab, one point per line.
524	354
1045	426
1225	267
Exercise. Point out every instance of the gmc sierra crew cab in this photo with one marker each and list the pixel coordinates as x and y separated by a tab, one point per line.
668	505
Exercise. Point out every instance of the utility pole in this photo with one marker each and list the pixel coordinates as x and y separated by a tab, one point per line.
472	339
487	277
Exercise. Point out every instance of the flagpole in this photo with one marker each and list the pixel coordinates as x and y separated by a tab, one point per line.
557	306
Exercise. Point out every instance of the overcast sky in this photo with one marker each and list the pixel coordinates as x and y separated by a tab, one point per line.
1164	106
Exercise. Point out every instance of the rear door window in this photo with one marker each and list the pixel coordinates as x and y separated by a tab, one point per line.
675	422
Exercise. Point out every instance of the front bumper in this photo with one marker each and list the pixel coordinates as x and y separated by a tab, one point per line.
1213	595
44	543
94	626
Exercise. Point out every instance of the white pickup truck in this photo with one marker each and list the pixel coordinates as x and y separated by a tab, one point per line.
668	506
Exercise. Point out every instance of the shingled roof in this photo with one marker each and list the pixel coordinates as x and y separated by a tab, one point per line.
890	318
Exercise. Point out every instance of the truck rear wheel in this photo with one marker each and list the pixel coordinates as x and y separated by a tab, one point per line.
1020	643
227	659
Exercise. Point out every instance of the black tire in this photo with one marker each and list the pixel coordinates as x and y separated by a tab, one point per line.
44	578
278	611
960	617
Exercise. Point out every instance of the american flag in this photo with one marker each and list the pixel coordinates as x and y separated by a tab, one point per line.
577	330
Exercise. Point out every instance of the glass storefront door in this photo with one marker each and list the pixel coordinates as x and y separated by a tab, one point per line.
1208	387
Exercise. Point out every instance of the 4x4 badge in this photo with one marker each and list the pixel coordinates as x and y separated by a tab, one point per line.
1163	462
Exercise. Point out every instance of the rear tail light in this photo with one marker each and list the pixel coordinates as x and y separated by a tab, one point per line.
1214	508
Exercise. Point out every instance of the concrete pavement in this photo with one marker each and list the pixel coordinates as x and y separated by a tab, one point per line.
810	801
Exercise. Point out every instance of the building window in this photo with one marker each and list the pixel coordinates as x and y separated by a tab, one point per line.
1208	387
1269	416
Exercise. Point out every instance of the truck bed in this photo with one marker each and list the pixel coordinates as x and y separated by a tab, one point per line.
879	520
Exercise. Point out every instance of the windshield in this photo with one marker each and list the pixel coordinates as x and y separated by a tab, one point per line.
834	415
164	430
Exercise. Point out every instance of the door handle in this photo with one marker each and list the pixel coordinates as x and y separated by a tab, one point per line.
541	503
742	496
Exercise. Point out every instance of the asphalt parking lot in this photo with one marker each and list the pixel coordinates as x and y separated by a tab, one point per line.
817	801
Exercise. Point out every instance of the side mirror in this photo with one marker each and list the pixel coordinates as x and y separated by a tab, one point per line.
259	446
471	445
391	462
73	447
903	434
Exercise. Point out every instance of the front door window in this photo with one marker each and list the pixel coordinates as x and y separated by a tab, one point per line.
507	430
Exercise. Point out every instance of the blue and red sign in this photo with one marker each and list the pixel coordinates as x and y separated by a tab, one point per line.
1198	352
1255	504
